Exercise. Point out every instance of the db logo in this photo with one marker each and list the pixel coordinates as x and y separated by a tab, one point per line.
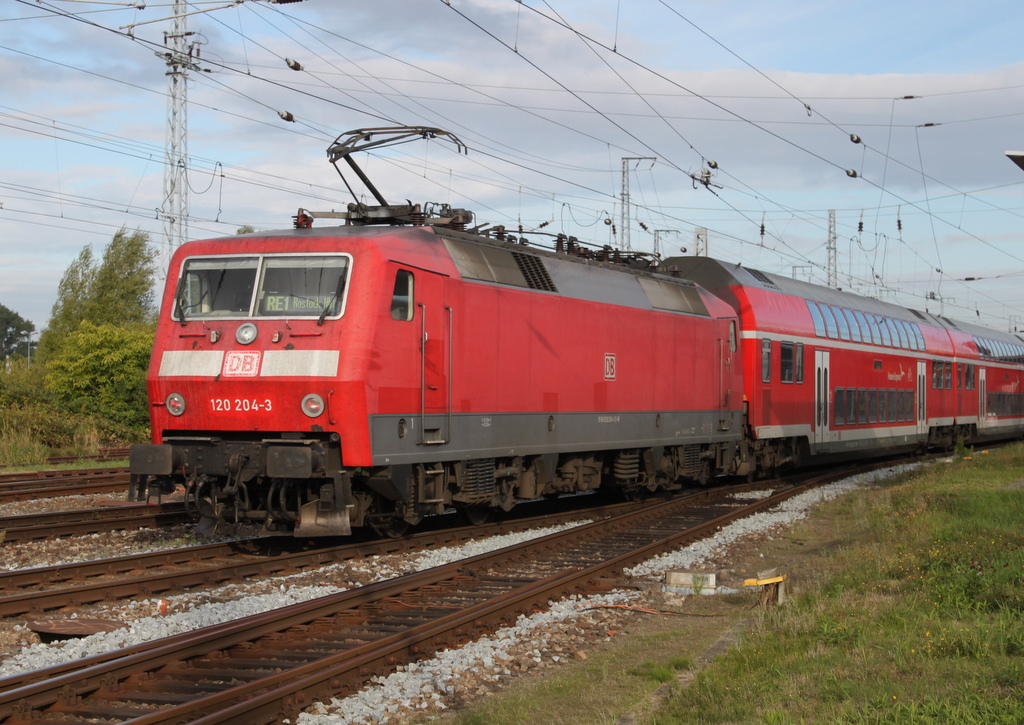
241	364
609	366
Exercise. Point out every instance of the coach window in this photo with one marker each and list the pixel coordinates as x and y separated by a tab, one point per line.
852	321
800	363
844	329
893	332
732	337
862	405
830	322
886	340
402	306
786	362
969	382
882	415
891	397
766	361
819	321
918	336
959	376
905	338
904	330
865	328
838	407
851	406
872	406
936	374
949	376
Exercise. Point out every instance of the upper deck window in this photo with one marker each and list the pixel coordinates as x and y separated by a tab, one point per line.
854	326
290	286
819	322
844	329
886	339
830	323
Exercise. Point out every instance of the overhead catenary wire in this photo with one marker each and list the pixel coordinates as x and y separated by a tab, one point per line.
806	215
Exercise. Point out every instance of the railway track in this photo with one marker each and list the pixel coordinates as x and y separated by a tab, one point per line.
33	591
263	668
105	454
28	486
33	527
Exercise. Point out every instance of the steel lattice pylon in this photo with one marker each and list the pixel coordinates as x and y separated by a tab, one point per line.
179	61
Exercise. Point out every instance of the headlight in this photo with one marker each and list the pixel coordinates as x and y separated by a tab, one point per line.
175	404
245	333
312	405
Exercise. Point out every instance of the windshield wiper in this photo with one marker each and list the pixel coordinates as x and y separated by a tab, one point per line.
178	300
334	298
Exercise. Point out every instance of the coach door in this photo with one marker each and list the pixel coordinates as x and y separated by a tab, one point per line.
982	399
922	400
435	360
821	406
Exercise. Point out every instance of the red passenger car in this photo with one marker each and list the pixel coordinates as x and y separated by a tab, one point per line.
832	373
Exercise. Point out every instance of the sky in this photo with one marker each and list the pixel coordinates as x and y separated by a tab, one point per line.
894	116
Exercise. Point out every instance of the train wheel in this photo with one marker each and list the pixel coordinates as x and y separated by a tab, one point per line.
476	515
391	528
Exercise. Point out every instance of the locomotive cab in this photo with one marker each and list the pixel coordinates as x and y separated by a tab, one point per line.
242	385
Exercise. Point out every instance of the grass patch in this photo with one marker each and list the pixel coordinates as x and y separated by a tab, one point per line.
916	618
20	448
660	673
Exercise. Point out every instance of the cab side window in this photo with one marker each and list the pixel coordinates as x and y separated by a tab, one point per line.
402	304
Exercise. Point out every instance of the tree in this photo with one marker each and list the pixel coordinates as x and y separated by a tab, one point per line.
119	291
101	370
66	314
15	331
122	290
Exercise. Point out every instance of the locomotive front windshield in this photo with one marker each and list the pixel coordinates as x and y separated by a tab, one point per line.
283	286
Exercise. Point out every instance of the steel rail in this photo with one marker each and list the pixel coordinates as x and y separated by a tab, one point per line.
57	524
31	489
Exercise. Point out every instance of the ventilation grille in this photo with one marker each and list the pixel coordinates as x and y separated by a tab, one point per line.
534	271
919	315
762	278
691	461
479	478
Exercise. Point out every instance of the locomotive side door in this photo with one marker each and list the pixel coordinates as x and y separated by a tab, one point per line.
821	398
435	360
